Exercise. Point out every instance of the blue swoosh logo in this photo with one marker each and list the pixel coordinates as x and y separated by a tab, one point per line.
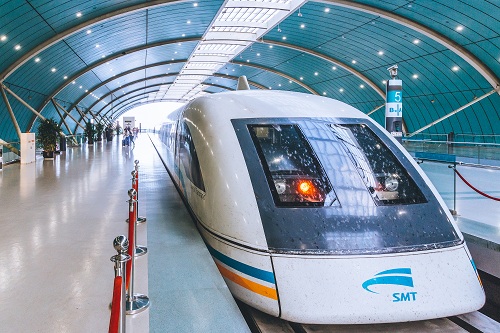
397	276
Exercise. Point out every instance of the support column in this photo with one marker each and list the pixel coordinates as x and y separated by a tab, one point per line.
62	118
62	109
12	116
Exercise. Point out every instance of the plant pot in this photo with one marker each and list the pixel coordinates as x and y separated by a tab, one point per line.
48	155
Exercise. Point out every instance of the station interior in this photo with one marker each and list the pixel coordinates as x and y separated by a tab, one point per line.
87	63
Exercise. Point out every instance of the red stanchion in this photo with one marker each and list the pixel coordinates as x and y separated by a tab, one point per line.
131	234
140	219
116	304
475	189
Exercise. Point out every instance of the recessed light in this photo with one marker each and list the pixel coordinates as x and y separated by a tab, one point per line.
301	78
248	60
416	41
89	31
290	81
302	26
334	68
327	10
53	70
86	90
361	86
79	14
459	28
316	73
188	22
384	81
324	92
73	82
183	35
455	68
258	54
415	76
103	56
65	77
279	85
270	46
80	87
195	4
3	38
380	52
341	89
17	47
354	61
97	45
37	59
284	38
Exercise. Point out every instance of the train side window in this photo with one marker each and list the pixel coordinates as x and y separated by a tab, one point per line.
188	156
384	176
293	171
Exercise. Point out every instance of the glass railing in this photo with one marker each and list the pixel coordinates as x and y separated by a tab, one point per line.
8	155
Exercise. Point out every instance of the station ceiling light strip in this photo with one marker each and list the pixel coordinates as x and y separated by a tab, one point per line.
238	24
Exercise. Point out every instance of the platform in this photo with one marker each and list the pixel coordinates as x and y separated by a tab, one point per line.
58	221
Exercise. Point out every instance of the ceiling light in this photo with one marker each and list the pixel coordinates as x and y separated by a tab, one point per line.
270	46
53	70
65	77
324	92
279	85
327	10
354	61
183	35
17	47
37	59
316	73
73	82
334	68
362	86
258	54
302	26
79	14
455	68
195	4
384	81
80	87
248	60
416	41
290	81
380	52
103	56
89	31
97	45
459	28
415	76
284	38
301	78
3	38
299	14
279	30
188	22
341	89
86	90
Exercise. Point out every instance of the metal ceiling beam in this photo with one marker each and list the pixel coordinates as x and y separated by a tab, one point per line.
450	44
61	116
131	92
11	113
351	70
82	26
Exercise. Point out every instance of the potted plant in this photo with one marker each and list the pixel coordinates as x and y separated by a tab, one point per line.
99	128
47	135
89	133
109	133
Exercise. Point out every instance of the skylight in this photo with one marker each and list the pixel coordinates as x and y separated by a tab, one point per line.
239	24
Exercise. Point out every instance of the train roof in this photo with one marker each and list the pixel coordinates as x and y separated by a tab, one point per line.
273	104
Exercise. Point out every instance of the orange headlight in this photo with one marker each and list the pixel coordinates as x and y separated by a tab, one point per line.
306	187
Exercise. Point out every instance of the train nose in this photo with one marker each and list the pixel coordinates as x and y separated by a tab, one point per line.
377	289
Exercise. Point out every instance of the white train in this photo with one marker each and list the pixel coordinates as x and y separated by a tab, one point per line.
314	214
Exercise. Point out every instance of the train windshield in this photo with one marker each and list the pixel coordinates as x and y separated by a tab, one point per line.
381	172
294	173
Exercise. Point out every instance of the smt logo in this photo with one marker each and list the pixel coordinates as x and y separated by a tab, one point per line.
397	277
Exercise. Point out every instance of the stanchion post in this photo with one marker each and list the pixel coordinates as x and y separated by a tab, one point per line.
121	246
454	210
135	302
140	250
140	219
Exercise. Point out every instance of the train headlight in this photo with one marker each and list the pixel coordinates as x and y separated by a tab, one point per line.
280	186
391	183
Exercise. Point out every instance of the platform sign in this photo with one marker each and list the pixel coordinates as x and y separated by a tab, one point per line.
394	108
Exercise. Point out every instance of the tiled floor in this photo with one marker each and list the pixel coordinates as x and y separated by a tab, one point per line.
57	223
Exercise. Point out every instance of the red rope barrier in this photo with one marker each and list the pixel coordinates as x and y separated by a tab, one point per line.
114	320
475	189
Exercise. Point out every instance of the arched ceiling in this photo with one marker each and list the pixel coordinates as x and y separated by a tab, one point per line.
105	57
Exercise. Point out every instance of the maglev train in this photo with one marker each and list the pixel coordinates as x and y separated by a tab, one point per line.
313	213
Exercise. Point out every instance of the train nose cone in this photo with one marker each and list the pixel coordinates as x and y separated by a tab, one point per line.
377	289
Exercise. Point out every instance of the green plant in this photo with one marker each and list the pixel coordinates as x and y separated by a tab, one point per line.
47	134
99	128
89	132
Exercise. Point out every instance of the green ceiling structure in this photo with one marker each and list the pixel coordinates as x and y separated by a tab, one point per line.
102	58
